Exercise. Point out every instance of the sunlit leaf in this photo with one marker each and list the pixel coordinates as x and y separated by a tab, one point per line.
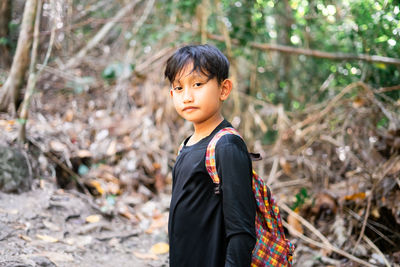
160	248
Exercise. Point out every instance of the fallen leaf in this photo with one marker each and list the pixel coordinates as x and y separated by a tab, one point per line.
375	212
156	223
57	146
51	226
159	182
296	225
113	188
47	238
325	207
57	256
13	211
360	195
287	169
145	256
93	218
112	148
358	102
24	237
160	248
84	154
69	115
97	186
124	211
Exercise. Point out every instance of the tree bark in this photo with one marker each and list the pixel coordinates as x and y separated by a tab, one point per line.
5	18
10	91
33	75
285	19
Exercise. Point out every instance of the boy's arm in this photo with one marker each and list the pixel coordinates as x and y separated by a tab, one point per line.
239	208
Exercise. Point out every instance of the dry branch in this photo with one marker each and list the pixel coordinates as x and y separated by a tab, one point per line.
313	53
101	34
325	242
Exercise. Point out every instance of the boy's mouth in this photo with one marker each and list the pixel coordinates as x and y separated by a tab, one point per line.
189	108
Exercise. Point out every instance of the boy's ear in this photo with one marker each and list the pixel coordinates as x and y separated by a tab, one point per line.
171	93
226	88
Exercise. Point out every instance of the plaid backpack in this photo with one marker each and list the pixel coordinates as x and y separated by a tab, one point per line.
272	248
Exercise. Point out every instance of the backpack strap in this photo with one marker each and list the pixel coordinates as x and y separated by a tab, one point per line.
211	165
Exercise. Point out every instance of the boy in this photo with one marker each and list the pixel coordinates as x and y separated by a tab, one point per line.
208	229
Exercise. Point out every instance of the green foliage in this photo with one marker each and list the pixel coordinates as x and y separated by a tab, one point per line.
301	198
270	137
81	85
383	123
115	70
353	27
3	41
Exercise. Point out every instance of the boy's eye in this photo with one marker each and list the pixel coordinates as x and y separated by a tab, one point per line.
177	88
197	84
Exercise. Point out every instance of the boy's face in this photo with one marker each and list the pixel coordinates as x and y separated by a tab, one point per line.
196	98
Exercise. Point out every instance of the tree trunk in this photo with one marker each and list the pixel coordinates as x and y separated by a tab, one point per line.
5	18
284	19
10	91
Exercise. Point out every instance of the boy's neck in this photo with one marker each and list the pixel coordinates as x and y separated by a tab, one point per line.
204	129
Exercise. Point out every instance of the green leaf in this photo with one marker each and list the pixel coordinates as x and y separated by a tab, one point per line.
382	123
382	39
3	40
21	121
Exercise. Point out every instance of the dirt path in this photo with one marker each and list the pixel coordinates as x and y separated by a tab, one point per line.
49	227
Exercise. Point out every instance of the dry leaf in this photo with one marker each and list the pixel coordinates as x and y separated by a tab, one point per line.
145	256
159	182
47	238
84	153
358	102
13	211
69	115
375	212
287	169
51	226
113	188
57	256
360	195
97	186
57	146
93	218
112	148
296	225
24	237
124	211
155	224
160	248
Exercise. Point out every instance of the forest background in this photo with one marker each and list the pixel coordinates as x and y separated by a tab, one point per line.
316	92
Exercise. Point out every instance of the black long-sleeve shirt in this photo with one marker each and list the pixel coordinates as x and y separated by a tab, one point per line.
205	229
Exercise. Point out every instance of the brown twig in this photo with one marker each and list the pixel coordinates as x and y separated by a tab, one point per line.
372	245
100	34
325	246
314	53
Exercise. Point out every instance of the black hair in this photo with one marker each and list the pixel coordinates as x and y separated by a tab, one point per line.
206	59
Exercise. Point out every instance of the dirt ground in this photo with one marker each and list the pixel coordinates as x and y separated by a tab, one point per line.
52	227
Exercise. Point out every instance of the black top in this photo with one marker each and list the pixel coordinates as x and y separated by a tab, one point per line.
205	229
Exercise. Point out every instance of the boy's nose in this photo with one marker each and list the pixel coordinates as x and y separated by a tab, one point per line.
187	96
